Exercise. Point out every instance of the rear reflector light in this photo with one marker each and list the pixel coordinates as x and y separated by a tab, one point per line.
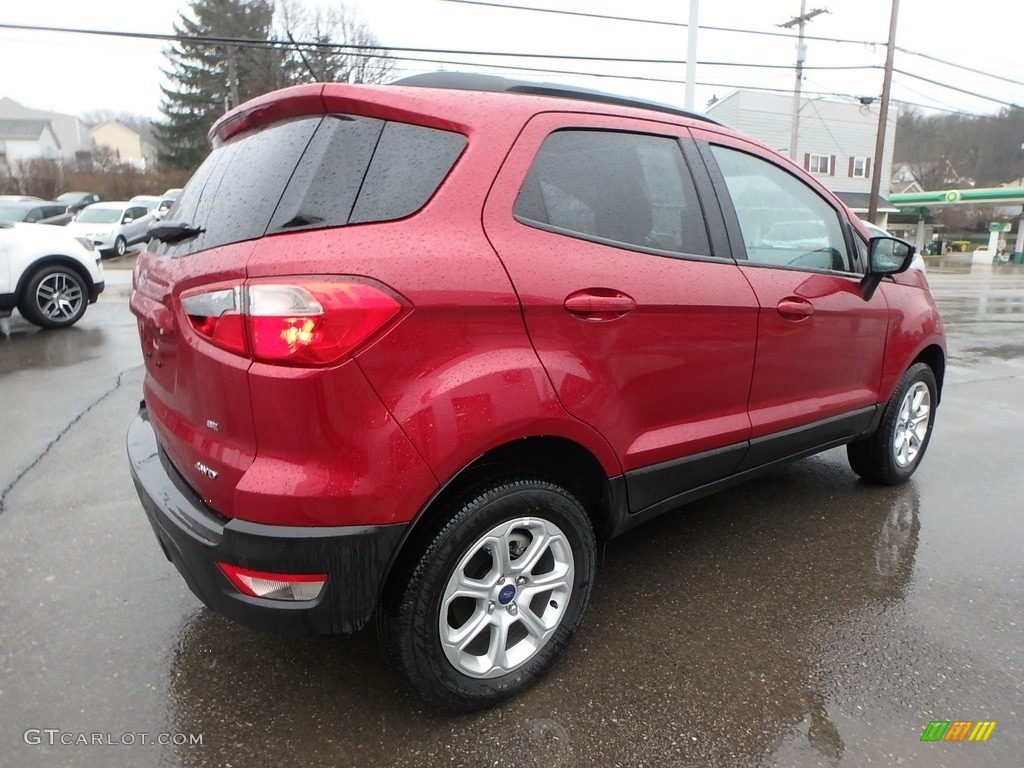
275	586
309	323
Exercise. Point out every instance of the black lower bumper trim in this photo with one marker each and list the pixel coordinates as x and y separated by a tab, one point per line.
195	539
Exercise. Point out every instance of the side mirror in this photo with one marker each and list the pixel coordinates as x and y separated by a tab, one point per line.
886	256
127	220
889	256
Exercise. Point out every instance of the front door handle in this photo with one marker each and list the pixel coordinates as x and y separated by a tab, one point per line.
599	304
795	308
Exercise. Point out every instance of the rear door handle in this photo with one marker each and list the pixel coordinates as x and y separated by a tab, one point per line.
795	308
598	304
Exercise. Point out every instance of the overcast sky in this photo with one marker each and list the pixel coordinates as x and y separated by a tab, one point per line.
78	73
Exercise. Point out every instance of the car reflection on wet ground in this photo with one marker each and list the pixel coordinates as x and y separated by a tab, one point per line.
802	619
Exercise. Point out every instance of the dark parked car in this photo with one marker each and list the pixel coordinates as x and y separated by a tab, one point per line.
466	333
76	201
42	212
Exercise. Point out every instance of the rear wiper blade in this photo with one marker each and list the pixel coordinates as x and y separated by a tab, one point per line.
173	231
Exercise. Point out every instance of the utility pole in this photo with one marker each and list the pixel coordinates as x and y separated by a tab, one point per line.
883	116
801	55
691	54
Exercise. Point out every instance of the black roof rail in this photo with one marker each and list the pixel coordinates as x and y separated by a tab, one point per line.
471	81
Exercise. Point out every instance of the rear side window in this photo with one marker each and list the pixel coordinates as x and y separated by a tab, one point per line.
313	172
234	193
409	164
623	188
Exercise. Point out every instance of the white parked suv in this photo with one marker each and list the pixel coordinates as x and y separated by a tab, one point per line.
48	274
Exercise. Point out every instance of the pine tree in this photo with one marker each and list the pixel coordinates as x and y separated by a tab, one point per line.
255	48
210	77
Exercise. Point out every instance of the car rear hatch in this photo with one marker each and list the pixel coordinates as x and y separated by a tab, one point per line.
280	166
197	392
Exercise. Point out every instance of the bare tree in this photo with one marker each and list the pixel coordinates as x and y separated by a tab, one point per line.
40	177
332	45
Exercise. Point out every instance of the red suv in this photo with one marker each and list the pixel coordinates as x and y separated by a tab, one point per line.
415	349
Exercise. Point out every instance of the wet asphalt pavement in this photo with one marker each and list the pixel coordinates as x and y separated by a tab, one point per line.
802	619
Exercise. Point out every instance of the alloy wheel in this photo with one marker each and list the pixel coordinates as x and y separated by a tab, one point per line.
506	597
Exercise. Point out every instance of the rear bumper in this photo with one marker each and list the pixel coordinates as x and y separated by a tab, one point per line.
194	539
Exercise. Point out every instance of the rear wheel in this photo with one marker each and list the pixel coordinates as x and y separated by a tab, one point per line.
892	453
495	596
54	297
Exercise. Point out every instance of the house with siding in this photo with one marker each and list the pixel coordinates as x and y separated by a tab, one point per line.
126	144
71	133
22	140
835	140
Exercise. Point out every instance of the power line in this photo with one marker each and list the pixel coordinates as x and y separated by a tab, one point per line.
947	110
539	70
273	43
678	24
958	90
371	51
960	66
903	85
585	14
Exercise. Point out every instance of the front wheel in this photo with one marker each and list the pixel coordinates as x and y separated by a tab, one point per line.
892	453
495	596
120	246
54	297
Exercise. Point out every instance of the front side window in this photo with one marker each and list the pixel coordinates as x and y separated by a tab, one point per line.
783	221
626	189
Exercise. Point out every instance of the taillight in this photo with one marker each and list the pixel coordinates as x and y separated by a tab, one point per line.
217	316
305	322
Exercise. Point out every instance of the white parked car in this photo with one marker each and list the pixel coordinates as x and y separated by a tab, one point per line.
167	201
152	203
112	227
48	274
877	231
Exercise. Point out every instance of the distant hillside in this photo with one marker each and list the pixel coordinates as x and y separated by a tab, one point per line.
986	149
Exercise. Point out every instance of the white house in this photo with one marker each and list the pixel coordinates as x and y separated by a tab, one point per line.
72	134
22	140
835	140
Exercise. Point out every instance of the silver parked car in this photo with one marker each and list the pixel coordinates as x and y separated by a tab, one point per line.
112	227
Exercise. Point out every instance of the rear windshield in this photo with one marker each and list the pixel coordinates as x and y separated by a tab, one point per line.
312	172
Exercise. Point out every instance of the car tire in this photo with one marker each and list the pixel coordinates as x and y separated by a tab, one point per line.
494	597
892	453
120	246
55	296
